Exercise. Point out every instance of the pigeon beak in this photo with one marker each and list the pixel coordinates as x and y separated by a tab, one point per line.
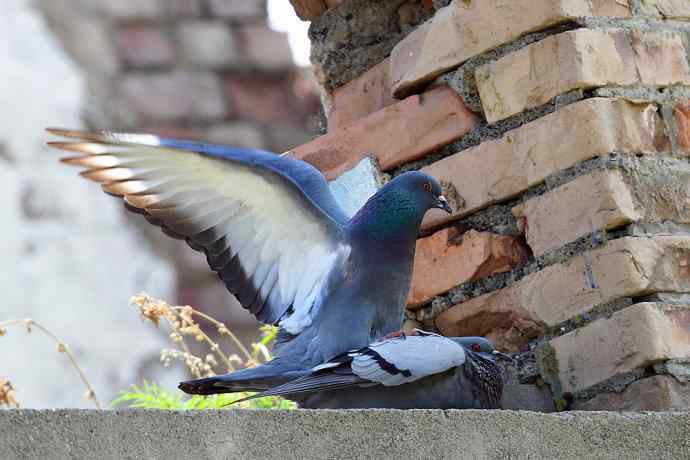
503	356
442	203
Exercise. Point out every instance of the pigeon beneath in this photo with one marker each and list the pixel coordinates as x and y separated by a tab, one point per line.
275	235
425	371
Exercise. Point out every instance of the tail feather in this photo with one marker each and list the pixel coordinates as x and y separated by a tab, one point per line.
260	378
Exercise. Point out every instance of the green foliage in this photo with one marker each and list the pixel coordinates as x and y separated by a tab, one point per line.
153	396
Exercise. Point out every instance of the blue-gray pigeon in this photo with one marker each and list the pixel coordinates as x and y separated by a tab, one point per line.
425	371
276	237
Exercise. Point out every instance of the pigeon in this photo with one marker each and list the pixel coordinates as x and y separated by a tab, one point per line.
275	235
425	371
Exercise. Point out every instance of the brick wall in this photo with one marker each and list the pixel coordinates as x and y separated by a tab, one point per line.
559	129
206	69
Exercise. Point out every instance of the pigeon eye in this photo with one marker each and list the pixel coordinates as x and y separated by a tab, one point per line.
476	348
427	187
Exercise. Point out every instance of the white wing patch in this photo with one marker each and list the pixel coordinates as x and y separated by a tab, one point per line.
404	360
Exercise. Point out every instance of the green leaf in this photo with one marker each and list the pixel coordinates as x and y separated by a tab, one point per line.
153	396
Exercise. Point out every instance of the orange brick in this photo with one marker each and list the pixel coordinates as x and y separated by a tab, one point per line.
360	97
467	28
626	267
657	393
308	10
682	115
497	170
577	59
633	338
441	264
394	135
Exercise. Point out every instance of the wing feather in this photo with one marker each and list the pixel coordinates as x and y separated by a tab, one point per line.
404	360
268	225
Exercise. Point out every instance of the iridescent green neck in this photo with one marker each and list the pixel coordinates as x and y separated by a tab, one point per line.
387	216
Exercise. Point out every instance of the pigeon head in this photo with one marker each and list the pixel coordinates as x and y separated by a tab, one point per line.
397	209
481	346
421	189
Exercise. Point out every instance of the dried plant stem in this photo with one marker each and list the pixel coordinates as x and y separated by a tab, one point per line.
227	331
212	345
62	347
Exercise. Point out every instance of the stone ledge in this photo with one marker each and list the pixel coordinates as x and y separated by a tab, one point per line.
342	434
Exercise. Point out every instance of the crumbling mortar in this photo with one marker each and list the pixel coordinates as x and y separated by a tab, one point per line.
562	255
636	8
641	23
666	97
500	219
349	40
616	384
462	79
485	132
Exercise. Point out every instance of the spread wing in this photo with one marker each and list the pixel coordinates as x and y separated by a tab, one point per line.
390	362
269	225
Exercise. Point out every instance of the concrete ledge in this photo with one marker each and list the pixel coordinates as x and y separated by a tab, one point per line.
304	434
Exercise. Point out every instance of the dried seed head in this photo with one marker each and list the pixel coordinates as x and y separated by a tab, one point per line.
89	395
211	360
7	394
151	309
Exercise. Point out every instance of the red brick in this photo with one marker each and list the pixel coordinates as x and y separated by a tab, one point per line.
208	43
172	96
394	135
239	134
360	97
442	263
266	48
308	10
263	98
682	115
656	393
144	9
142	46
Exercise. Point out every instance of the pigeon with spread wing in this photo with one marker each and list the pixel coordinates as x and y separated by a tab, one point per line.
275	235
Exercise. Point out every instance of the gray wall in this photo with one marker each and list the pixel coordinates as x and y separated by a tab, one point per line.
377	434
